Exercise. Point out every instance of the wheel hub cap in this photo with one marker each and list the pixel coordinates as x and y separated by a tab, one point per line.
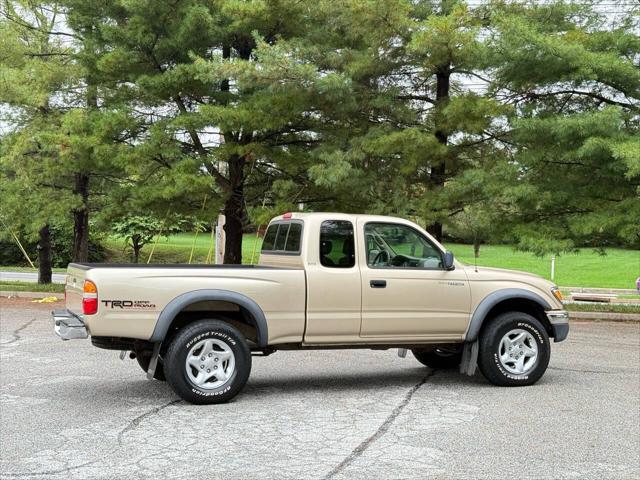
518	351
210	364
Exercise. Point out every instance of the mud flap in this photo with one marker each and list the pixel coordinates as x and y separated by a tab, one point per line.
469	358
154	361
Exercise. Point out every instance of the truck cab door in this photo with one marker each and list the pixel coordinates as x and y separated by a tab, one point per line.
406	291
333	284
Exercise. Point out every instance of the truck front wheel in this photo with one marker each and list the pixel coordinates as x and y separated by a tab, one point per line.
207	362
514	350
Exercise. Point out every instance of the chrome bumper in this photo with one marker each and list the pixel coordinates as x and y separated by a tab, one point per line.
68	326
559	320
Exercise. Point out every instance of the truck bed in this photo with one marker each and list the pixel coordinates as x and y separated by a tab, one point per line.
89	266
131	297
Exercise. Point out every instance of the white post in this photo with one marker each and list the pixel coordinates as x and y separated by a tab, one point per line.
553	267
220	239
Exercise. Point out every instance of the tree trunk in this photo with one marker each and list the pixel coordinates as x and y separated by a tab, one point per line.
80	251
135	243
234	205
476	247
44	255
81	220
438	172
234	212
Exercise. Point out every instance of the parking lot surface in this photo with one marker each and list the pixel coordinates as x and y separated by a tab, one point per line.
69	410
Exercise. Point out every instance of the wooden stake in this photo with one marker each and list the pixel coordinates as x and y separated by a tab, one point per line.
195	237
15	237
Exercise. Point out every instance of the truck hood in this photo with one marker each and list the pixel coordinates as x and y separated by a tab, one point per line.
489	273
505	276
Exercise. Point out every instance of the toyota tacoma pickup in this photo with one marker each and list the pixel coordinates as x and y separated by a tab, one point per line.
324	281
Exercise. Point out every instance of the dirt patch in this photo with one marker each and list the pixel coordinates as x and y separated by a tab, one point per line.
16	302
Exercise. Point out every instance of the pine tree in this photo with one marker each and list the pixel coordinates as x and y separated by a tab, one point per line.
221	92
63	148
573	80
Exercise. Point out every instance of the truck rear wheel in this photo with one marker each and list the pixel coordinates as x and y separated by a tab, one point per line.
208	362
514	350
440	358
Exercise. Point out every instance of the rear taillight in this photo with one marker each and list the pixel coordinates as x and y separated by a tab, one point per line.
89	298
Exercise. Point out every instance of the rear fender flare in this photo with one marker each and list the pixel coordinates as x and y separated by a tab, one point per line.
178	304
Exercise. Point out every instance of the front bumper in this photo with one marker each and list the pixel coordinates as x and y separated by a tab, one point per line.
68	326
559	320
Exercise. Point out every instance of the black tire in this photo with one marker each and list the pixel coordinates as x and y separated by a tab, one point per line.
144	359
489	349
440	358
190	336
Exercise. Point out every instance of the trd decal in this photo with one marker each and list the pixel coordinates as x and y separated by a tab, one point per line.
142	304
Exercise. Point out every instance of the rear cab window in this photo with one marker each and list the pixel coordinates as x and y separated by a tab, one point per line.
337	245
283	238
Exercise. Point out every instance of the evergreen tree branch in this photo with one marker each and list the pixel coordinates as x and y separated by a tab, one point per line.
592	94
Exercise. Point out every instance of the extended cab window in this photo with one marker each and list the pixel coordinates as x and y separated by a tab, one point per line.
392	245
337	249
270	237
283	237
293	240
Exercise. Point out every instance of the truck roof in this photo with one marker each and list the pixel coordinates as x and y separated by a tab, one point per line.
337	215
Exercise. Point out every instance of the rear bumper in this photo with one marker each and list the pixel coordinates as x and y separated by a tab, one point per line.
559	320
68	326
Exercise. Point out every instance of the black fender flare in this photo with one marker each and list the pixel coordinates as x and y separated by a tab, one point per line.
175	306
491	300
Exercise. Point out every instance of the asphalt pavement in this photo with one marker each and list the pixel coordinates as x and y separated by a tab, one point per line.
71	411
30	277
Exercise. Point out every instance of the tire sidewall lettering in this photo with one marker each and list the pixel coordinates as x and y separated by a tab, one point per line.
533	330
221	335
212	393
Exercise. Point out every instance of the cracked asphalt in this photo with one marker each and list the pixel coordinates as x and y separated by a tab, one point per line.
71	411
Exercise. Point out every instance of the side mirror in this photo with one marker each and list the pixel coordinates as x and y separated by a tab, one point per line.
448	260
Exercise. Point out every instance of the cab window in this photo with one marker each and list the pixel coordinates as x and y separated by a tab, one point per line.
283	238
337	246
392	245
270	237
294	238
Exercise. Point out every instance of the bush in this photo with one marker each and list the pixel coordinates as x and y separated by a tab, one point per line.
61	249
10	254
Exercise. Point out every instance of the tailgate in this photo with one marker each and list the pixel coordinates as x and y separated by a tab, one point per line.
73	288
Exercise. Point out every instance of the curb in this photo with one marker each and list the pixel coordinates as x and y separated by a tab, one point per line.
605	316
6	293
620	291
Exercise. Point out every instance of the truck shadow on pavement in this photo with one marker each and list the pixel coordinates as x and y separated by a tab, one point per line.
310	383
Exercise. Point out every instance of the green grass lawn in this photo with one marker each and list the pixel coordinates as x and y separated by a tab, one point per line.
177	248
604	307
619	268
11	286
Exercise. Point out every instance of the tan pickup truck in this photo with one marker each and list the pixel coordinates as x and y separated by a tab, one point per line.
324	281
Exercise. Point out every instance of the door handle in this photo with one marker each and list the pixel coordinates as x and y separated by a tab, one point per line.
378	283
